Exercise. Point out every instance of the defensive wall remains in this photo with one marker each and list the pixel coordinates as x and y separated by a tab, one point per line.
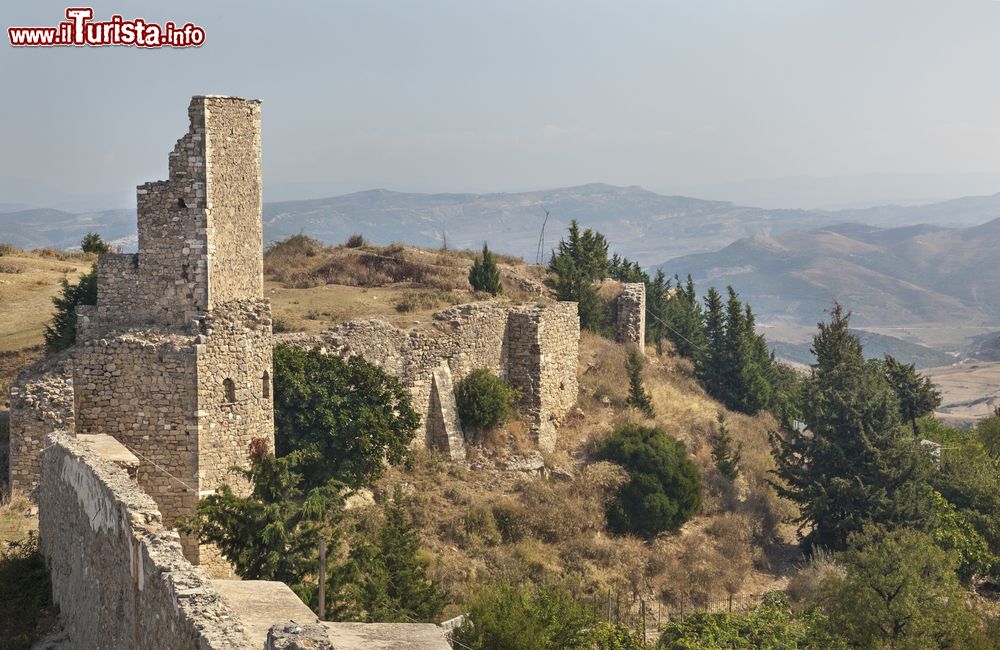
535	347
631	320
120	578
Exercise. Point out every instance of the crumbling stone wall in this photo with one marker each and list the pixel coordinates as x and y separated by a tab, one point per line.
41	400
535	347
632	315
118	574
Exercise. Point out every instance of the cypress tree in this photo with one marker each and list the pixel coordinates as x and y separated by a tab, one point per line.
726	456
638	396
61	332
484	275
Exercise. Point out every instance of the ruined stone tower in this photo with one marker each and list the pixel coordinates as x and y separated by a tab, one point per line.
174	361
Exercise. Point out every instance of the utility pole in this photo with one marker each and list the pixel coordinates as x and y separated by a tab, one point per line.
540	254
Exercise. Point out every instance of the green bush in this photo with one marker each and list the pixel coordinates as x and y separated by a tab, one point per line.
770	625
515	618
664	488
92	243
484	400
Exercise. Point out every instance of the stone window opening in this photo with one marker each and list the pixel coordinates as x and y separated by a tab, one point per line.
266	385
181	204
230	388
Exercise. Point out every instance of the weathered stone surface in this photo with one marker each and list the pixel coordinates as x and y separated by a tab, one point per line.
536	347
293	636
119	577
263	604
632	315
388	636
41	401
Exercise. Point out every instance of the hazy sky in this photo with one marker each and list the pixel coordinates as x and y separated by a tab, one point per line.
676	96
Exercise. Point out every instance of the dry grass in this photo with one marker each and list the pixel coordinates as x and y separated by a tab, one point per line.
17	516
28	282
488	524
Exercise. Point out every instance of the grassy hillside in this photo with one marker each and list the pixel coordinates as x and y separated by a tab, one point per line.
486	523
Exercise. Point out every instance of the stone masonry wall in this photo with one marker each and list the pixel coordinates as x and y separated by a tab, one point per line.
233	210
41	400
535	347
632	315
236	346
118	575
141	388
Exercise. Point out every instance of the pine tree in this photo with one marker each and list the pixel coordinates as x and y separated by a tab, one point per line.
727	458
710	362
638	396
852	466
92	243
61	332
484	275
579	261
385	579
917	395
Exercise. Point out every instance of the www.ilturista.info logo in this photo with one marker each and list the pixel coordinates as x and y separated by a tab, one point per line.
79	30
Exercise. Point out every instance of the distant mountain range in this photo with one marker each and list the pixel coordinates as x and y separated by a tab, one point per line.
885	276
643	225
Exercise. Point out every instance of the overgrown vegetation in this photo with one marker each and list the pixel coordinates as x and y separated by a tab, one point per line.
344	419
664	488
580	260
484	401
536	618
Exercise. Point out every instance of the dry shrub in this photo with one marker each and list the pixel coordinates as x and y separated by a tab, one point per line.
709	564
422	300
559	511
355	241
9	249
804	585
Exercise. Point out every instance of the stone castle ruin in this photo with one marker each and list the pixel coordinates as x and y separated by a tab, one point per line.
631	321
170	380
534	347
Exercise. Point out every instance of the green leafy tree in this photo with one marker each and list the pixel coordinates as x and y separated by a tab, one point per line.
484	275
725	453
345	419
853	465
624	270
952	531
664	487
988	433
773	625
61	332
506	617
969	480
92	243
917	395
638	396
484	401
385	577
273	533
899	591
